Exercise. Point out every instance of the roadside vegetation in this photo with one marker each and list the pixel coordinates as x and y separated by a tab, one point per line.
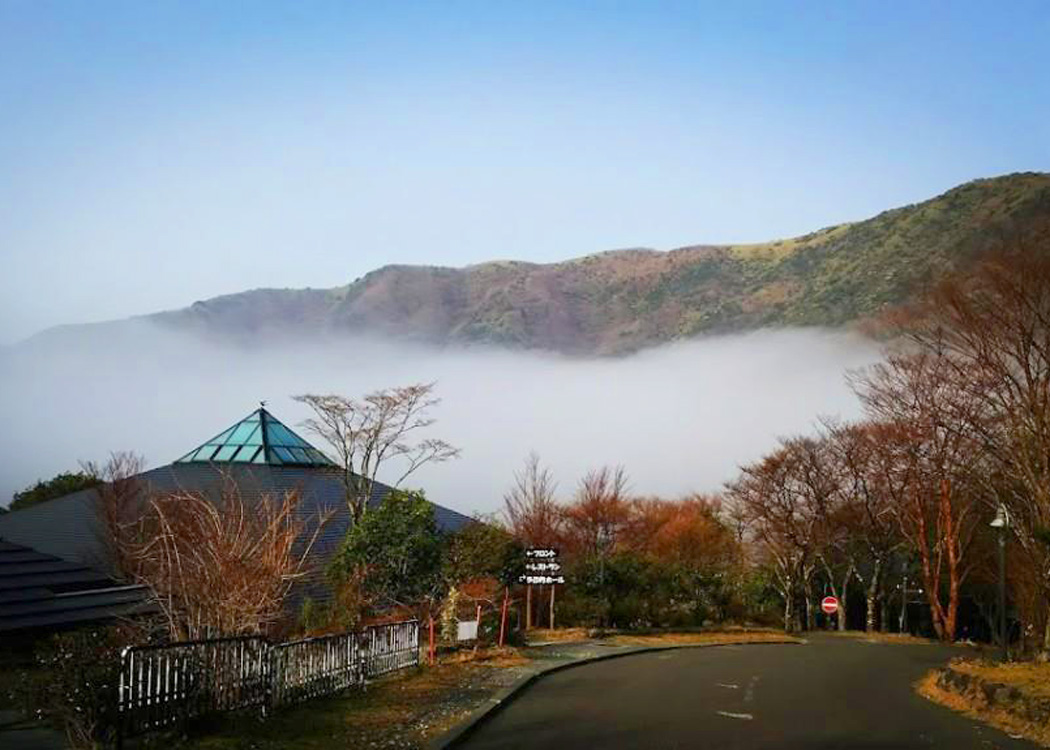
1013	697
404	710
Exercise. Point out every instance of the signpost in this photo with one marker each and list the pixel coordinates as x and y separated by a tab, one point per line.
829	605
543	569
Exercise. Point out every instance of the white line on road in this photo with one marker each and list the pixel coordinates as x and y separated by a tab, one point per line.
750	692
747	717
728	685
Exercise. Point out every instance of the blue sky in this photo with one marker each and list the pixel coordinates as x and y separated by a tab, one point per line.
153	154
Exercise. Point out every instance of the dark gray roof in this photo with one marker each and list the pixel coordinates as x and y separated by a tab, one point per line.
321	490
39	590
67	527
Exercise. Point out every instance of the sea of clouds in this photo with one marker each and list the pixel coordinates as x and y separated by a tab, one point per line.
679	418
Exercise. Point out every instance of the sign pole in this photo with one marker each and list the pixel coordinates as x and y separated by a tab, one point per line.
503	616
552	606
528	607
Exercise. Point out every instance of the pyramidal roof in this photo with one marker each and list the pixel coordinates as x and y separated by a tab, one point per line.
259	438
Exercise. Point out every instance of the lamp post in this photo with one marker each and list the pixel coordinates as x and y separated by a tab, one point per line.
904	600
1002	523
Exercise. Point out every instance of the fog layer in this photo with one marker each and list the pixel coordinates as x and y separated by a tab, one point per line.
679	418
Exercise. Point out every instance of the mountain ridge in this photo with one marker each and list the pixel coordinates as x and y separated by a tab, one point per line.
619	301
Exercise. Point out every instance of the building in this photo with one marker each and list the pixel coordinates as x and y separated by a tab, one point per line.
259	453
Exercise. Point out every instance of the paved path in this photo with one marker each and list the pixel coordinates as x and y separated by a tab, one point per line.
829	693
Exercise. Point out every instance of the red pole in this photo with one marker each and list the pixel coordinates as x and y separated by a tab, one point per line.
477	631
432	640
503	616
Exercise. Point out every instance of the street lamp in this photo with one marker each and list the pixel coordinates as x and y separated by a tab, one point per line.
1002	522
904	599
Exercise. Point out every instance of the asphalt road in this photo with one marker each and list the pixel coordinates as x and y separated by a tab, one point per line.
829	693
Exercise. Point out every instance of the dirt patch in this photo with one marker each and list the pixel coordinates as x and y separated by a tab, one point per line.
1012	697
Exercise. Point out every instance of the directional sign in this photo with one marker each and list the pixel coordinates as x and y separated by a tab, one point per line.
544	554
830	605
542	567
541	580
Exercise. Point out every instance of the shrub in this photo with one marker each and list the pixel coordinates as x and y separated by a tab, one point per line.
74	684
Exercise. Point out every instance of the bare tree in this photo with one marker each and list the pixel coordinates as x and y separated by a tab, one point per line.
366	433
917	397
868	507
218	567
991	328
118	509
600	512
782	522
532	514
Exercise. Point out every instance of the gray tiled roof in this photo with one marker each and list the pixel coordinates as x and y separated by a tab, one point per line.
39	590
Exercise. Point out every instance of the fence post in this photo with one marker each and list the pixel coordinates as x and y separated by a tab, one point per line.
268	668
121	687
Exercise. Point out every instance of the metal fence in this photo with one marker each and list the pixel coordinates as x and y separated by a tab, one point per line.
163	685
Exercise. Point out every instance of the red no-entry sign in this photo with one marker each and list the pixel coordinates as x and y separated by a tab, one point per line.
830	605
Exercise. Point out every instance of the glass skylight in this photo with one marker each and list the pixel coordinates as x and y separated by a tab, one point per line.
259	438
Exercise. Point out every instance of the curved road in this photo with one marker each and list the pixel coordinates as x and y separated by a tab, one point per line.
829	693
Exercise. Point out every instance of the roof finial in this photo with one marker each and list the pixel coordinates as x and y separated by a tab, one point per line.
262	404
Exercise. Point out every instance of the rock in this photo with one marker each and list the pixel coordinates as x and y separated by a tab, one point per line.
1003	694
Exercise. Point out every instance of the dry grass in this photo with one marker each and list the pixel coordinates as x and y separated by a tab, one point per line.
1030	678
488	657
898	638
995	716
558	635
710	639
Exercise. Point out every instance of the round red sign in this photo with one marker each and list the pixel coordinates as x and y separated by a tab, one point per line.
830	605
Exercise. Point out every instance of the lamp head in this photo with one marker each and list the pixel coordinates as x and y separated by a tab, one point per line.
1002	518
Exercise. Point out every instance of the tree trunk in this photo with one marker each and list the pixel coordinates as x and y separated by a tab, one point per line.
808	595
842	611
789	608
873	593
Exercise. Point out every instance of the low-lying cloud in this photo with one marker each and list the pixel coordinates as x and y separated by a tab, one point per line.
679	418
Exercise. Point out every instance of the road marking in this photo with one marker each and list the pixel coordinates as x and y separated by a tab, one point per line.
728	685
746	717
750	692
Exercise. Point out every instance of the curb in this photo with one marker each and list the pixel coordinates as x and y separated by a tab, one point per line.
493	705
